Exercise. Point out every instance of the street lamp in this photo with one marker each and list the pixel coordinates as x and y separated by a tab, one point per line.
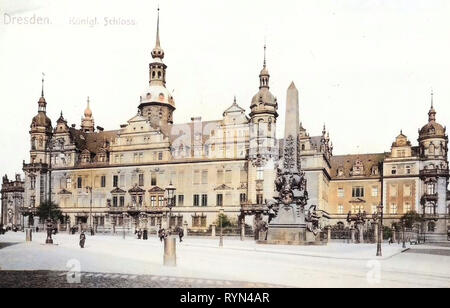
221	228
380	228
170	194
49	239
170	256
89	188
403	231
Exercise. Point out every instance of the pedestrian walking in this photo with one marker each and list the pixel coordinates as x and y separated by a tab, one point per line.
161	234
181	234
145	235
82	239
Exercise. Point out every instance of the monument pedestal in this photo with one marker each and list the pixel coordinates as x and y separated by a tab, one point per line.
291	235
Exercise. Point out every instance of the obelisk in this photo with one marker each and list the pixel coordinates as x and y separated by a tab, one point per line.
291	130
287	224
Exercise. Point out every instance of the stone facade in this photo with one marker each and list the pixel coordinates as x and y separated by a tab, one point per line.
116	179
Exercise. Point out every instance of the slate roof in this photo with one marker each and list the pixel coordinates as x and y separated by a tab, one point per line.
347	161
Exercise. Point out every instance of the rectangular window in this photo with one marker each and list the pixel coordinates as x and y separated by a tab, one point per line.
340	192
103	181
393	208
160	156
358	192
204	200
219	200
407	207
161	201
408	169
122	201
374	191
340	209
115	181
180	200
141	179
243	197
394	170
32	182
153	201
153	183
196	200
115	201
259	199
80	182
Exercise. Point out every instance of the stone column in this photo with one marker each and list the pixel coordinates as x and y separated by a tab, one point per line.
329	234
352	230
376	232
28	234
394	238
170	254
185	229
242	229
213	230
361	234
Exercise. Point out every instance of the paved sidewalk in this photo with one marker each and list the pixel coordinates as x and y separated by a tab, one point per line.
335	265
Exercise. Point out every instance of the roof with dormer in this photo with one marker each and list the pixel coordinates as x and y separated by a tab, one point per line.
345	163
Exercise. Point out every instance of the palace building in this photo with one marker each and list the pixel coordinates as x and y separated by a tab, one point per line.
116	179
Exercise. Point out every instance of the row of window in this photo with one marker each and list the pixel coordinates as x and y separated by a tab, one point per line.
359	191
158	200
391	209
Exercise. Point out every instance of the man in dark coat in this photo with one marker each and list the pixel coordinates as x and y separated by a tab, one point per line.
82	239
145	235
181	234
139	234
161	234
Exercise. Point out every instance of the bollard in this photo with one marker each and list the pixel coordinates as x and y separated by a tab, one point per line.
28	234
329	234
213	230
185	229
361	235
353	235
170	254
242	230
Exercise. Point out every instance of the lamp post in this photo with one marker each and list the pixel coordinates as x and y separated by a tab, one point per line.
170	257
49	239
221	228
403	231
89	188
380	229
170	194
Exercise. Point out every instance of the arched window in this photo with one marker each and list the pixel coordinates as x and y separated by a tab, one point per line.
431	226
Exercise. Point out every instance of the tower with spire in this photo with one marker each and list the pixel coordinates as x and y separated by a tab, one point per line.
40	130
263	151
433	150
87	123
157	103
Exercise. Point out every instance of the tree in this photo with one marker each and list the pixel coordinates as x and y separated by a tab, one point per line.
411	218
226	221
49	210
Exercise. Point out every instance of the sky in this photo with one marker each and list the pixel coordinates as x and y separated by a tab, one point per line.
365	68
